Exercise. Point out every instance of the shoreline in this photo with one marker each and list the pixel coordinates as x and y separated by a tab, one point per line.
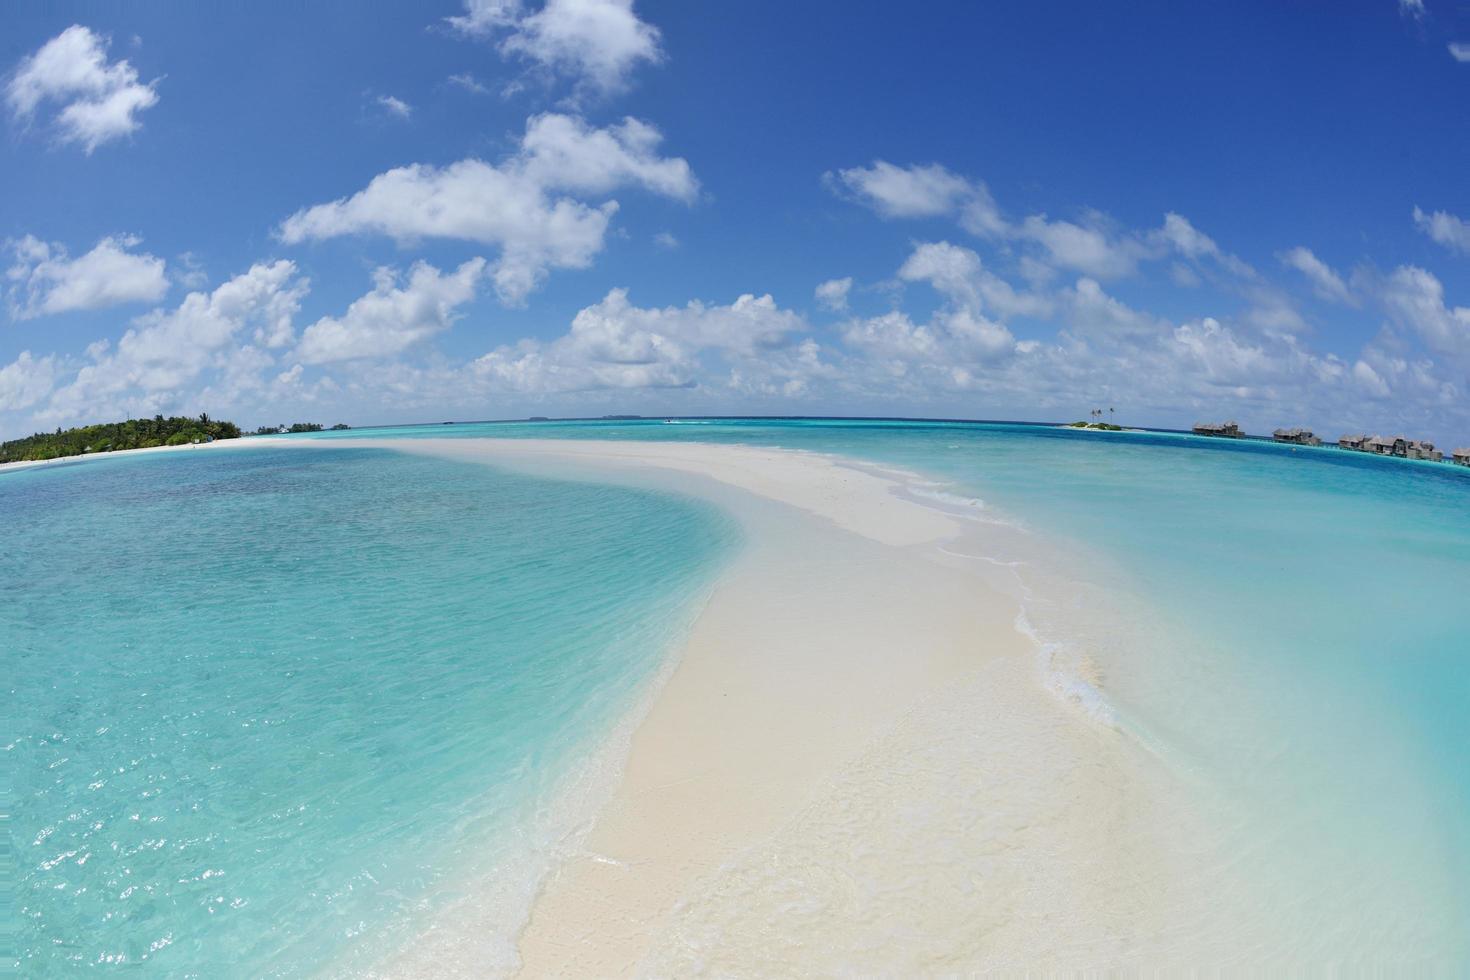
897	732
30	464
853	667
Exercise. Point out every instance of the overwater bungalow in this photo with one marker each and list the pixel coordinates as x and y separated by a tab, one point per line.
1223	430
1299	437
1461	457
1398	446
1419	449
1387	446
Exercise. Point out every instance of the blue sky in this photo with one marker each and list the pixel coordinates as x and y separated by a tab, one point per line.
275	212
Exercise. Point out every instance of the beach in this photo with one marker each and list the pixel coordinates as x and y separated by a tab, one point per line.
742	700
856	762
30	464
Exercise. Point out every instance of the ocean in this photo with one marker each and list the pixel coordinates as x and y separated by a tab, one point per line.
271	702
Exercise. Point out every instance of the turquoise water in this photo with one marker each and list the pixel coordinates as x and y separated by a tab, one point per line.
266	708
1287	627
262	653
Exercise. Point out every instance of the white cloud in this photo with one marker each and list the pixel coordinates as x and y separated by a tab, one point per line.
921	192
959	341
392	318
1370	380
1413	9
25	381
1460	51
45	280
1448	230
469	83
895	340
1051	347
395	106
564	153
1220	357
1089	249
514	205
665	239
97	101
1327	283
614	344
596	43
1414	298
166	350
1090	311
958	274
1177	234
1092	245
832	294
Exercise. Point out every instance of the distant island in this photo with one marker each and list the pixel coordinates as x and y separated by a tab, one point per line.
275	430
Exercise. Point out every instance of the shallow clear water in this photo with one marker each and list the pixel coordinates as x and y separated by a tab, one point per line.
1285	628
267	707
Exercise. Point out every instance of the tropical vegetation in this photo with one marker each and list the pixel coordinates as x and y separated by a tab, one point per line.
112	436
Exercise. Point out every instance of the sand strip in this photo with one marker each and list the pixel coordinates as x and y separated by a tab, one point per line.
855	765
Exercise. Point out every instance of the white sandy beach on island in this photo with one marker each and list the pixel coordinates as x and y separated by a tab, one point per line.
856	763
28	464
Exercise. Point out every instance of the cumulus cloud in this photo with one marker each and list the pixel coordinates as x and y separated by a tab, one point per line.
958	274
1460	51
25	381
1090	311
1085	248
1414	298
1092	245
1448	230
614	344
521	205
95	101
166	350
1046	346
832	294
44	279
392	317
920	192
958	341
1327	283
595	43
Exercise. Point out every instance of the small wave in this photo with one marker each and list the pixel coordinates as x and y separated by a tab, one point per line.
985	558
1067	683
956	505
951	499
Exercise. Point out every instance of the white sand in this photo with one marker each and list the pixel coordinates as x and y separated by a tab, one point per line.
27	464
856	765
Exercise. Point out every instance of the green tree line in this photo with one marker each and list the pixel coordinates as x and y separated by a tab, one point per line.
271	430
112	436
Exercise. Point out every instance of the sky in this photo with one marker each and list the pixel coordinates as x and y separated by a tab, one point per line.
476	209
